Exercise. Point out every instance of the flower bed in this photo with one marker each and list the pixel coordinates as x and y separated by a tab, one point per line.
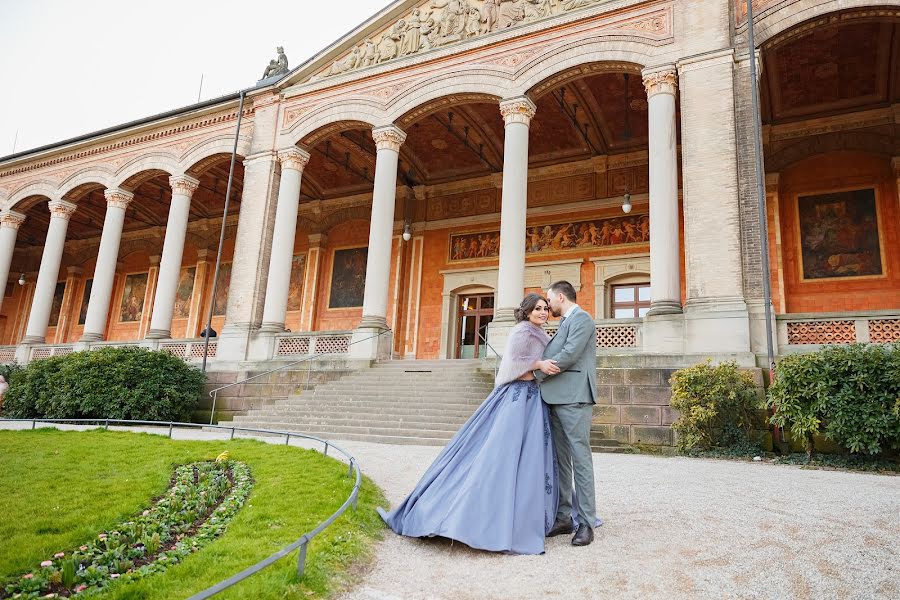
201	500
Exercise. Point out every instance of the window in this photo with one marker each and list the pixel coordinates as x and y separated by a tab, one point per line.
630	301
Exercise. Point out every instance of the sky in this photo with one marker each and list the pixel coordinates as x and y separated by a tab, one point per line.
69	67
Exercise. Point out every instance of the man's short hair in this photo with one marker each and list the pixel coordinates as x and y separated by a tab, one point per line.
565	288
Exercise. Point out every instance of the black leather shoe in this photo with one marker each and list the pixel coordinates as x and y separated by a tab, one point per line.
560	527
583	536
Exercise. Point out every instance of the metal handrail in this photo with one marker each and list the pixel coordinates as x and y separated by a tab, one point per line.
497	354
301	543
214	393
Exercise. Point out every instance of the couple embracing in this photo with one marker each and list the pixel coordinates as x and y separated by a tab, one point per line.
520	468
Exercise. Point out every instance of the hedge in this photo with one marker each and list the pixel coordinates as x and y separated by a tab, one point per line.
110	383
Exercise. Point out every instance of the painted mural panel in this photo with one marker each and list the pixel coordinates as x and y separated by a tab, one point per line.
184	293
348	278
55	308
295	294
132	307
221	302
85	298
839	235
556	237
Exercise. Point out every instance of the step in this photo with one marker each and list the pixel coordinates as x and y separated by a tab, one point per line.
381	426
362	411
327	430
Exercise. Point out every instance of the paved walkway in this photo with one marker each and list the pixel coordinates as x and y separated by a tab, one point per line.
674	528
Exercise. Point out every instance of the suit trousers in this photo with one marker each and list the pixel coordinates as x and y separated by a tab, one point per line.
571	424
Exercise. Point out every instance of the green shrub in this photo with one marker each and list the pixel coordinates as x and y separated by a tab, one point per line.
715	402
848	393
111	383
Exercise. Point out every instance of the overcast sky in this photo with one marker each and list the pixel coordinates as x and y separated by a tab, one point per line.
69	67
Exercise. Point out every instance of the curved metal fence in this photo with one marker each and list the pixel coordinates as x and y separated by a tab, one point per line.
302	543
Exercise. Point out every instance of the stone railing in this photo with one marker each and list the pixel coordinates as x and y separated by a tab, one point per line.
613	334
311	343
808	331
189	349
48	350
7	355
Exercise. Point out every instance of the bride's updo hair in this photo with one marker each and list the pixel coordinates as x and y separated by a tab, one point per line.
528	304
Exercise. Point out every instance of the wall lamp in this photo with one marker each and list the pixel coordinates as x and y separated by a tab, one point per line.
626	203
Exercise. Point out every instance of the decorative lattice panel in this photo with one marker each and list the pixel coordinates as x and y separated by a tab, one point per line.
821	332
197	350
179	350
8	355
40	353
63	350
620	336
292	345
333	345
884	331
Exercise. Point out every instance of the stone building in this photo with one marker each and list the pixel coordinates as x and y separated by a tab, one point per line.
446	156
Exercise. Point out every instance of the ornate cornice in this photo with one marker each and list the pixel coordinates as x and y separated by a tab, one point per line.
293	158
661	82
390	137
12	219
116	198
184	185
60	209
518	110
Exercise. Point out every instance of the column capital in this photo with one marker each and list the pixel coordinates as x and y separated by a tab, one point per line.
772	182
9	218
75	271
117	198
518	110
660	80
420	192
600	163
184	185
389	137
293	158
154	260
895	163
203	254
60	209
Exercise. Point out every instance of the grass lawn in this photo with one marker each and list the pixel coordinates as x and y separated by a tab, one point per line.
61	488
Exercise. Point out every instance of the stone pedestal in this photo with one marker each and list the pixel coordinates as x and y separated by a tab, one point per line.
371	343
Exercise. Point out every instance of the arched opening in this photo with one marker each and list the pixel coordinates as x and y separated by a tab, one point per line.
830	89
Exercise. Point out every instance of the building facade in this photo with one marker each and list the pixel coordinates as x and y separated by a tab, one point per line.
397	194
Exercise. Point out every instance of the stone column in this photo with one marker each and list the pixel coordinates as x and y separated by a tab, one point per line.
293	160
105	271
381	230
183	188
716	317
517	114
665	252
317	244
36	330
9	229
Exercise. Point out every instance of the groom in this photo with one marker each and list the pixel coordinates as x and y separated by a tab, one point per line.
571	396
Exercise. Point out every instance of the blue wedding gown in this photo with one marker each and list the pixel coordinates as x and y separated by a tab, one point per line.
494	486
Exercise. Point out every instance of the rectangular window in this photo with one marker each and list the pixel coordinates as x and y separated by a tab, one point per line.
630	301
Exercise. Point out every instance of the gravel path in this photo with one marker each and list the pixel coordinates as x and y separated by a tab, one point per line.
674	528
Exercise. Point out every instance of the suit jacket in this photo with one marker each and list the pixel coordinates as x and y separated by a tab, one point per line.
574	348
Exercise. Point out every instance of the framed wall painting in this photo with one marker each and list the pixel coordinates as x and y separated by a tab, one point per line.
348	278
184	292
56	305
85	299
133	294
295	286
221	301
839	235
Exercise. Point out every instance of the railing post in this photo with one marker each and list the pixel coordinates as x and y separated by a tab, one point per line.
326	449
33	423
106	425
301	559
212	413
170	430
232	434
350	470
287	439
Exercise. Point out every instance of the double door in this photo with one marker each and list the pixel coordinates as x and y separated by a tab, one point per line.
473	316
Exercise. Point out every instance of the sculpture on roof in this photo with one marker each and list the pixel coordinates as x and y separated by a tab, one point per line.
277	66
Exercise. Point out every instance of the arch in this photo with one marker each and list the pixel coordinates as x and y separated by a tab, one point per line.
624	53
151	247
222	144
858	141
94	174
157	161
369	113
36	188
782	18
489	84
338	217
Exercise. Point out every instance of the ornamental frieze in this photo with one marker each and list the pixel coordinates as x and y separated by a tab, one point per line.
438	23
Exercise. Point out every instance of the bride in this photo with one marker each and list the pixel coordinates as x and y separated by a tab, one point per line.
494	486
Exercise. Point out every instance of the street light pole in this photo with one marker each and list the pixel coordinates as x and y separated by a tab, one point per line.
760	190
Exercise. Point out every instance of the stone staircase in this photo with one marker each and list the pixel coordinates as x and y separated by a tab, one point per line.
394	402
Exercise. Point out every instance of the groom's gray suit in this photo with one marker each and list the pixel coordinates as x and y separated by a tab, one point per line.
571	396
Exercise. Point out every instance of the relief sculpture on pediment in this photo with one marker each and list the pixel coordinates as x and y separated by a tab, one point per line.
441	22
